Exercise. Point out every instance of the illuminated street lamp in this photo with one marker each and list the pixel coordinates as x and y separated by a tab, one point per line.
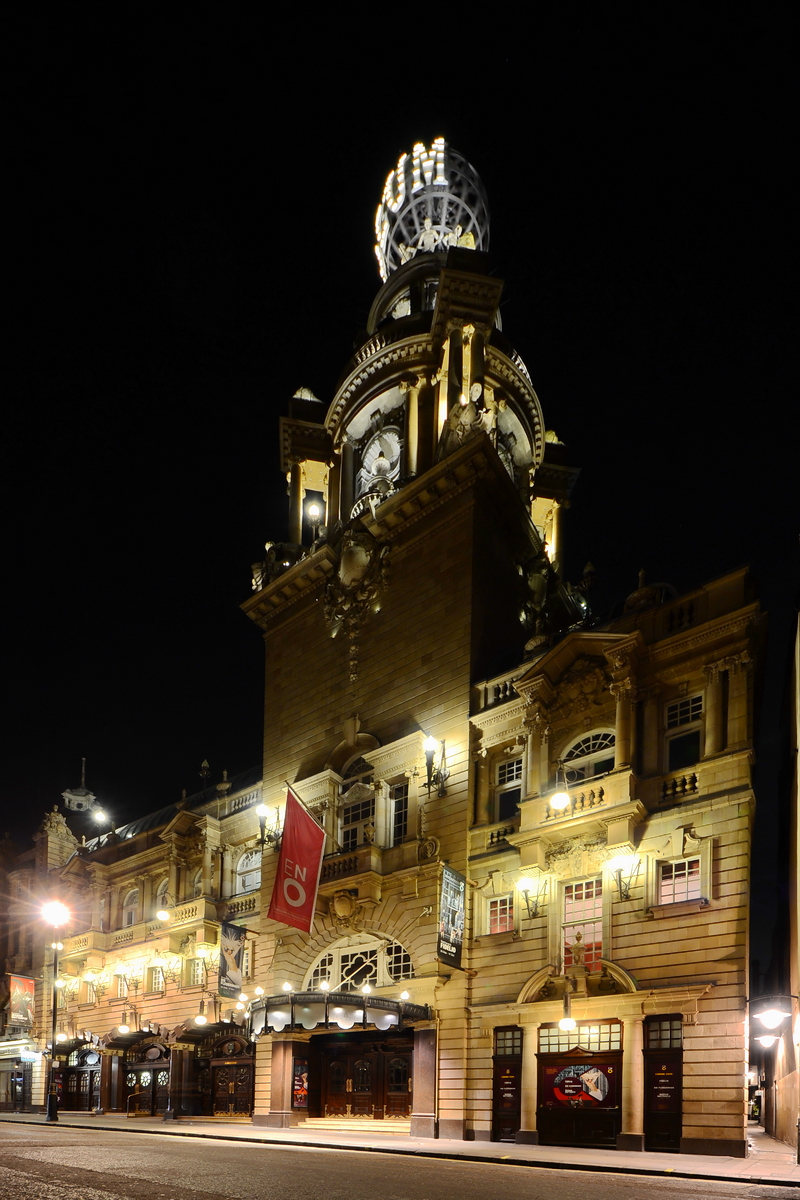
56	914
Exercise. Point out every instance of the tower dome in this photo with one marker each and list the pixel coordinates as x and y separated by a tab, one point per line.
432	200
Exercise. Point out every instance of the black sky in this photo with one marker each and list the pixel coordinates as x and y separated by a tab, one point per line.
192	220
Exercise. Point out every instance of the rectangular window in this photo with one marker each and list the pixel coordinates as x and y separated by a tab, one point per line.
354	819
122	987
247	956
680	880
509	789
663	1033
501	914
508	1043
604	1035
684	712
195	972
156	979
582	930
398	795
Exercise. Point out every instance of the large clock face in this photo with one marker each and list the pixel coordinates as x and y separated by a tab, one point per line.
387	441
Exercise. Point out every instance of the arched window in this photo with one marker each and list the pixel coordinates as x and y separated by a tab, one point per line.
248	872
161	893
590	756
353	961
130	907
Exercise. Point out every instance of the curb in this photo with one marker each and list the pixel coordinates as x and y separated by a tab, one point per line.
508	1160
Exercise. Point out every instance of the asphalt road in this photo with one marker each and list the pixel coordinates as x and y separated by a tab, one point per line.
43	1163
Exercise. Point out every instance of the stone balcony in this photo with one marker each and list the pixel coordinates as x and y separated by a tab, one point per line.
369	860
184	918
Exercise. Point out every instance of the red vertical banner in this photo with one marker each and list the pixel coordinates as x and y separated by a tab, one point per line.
294	894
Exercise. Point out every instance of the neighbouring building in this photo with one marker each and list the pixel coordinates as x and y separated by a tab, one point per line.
532	918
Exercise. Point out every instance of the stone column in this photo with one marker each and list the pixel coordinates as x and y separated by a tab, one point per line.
544	759
525	742
346	481
527	1131
227	872
622	749
632	1135
555	538
281	1079
413	804
172	883
177	1071
208	866
143	884
423	1100
533	781
296	502
737	701
412	423
483	792
651	749
334	484
714	740
443	392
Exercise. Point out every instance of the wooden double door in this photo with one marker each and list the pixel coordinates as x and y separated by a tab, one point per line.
232	1089
367	1080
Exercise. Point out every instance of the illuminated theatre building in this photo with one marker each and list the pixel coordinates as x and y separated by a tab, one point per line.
531	920
536	929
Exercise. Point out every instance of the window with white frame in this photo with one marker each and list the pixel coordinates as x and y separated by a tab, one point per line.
195	972
679	880
122	987
500	914
130	907
582	924
508	789
248	872
156	979
356	816
683	732
247	959
398	798
590	756
355	961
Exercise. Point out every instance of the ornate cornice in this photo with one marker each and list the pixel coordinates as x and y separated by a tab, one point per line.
299	580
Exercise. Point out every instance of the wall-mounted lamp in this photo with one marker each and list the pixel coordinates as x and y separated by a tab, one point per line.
771	1011
567	1021
124	1026
163	914
201	1018
171	970
314	514
132	977
437	776
767	1039
534	892
560	798
269	836
624	868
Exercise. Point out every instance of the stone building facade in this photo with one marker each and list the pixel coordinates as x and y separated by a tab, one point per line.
131	982
421	595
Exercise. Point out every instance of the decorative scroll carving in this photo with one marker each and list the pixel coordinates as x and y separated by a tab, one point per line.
356	587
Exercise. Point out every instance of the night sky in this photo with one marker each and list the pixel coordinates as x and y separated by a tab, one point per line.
192	223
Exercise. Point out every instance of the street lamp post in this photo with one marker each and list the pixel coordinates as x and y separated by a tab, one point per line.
57	915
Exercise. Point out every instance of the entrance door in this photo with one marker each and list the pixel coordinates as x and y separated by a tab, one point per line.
367	1080
232	1090
663	1070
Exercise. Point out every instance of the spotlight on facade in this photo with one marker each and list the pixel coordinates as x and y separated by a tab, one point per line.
771	1018
767	1039
61	1037
560	798
55	913
268	836
533	892
242	995
404	996
771	1011
436	776
625	868
324	986
366	989
287	987
259	991
567	1021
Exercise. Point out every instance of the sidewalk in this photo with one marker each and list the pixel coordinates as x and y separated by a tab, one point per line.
769	1161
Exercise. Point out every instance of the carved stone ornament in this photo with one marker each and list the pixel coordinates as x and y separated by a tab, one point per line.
345	910
356	588
583	685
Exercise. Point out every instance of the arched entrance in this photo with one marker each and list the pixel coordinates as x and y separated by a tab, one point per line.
362	1075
